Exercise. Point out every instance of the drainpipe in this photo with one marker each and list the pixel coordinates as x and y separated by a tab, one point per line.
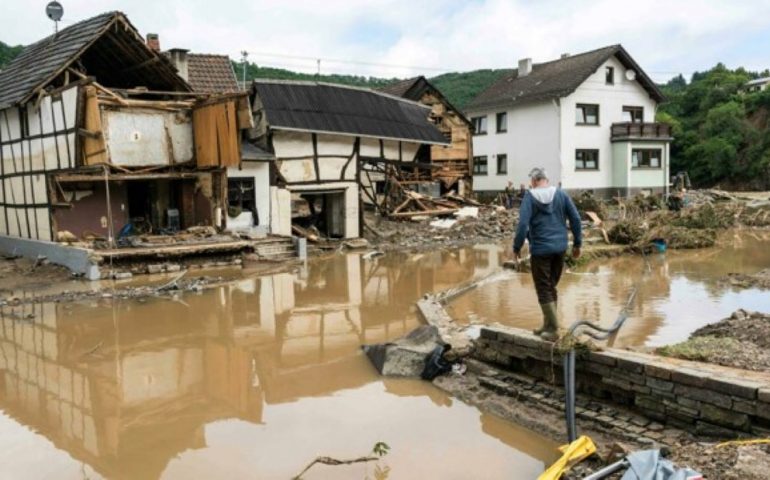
110	232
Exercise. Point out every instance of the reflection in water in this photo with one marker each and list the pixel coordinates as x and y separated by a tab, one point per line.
252	379
678	293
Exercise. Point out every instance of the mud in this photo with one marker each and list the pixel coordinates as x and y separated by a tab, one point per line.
741	341
725	462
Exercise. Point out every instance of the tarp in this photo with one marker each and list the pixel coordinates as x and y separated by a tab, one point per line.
649	465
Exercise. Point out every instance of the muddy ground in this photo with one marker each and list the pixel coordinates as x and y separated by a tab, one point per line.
740	341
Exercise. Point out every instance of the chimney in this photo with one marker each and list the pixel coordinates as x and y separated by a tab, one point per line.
525	67
564	55
153	41
178	57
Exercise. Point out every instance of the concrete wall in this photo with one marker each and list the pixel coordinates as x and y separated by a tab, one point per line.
705	399
532	139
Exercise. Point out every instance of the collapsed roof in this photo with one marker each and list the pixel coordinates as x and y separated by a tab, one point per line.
107	47
557	78
328	108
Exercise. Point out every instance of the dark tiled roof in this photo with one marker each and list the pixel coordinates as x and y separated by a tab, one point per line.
323	107
555	79
211	73
42	61
400	88
415	88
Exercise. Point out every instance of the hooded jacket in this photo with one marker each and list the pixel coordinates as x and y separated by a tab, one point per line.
543	221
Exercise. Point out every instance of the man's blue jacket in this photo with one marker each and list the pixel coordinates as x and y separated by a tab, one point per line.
543	221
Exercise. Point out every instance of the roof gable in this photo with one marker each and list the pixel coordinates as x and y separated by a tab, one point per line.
330	108
415	88
106	46
557	78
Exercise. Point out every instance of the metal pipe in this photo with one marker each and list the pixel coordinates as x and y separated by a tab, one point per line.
608	470
110	229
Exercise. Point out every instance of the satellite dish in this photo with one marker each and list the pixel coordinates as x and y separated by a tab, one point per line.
54	10
630	75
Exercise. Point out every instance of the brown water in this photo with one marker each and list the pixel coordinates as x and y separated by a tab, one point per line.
678	293
256	378
249	380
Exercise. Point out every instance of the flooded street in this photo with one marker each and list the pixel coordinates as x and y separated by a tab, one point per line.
256	378
678	293
249	380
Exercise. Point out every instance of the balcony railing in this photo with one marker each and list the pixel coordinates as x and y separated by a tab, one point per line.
632	130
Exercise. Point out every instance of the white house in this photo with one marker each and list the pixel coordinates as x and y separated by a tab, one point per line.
588	118
757	85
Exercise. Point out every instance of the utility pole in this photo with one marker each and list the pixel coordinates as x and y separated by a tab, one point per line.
244	57
318	68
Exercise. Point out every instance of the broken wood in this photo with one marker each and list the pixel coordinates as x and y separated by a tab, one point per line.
443	211
311	237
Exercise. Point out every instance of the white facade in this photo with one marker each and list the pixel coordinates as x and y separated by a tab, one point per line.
259	172
545	133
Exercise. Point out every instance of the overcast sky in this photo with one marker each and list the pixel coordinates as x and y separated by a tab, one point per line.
407	37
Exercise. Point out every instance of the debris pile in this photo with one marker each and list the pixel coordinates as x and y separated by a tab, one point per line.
467	225
741	341
741	280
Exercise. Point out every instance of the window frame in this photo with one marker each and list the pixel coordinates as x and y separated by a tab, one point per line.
579	106
497	158
499	115
649	166
482	119
477	172
609	75
584	168
631	109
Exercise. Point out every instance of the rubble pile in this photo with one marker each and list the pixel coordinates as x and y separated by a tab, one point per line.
466	226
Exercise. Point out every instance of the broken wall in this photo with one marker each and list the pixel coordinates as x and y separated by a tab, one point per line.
35	138
88	211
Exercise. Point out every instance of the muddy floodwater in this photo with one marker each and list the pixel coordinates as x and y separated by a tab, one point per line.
253	379
256	378
676	292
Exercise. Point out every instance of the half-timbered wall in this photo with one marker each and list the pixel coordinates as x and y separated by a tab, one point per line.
35	138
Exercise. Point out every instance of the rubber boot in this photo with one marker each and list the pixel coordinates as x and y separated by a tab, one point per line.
549	330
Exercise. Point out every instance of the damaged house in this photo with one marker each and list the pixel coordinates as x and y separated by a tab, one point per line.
336	146
101	139
455	161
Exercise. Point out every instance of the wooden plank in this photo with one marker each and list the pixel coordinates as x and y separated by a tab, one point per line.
94	148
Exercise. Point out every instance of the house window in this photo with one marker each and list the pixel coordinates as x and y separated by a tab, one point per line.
502	122
480	165
586	114
645	158
609	75
502	163
633	114
479	125
241	198
586	159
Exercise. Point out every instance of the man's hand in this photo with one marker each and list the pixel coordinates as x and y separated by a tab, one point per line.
575	252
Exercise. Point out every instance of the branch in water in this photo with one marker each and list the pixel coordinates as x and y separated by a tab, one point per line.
334	461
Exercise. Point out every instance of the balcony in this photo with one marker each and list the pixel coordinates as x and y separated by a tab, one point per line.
640	131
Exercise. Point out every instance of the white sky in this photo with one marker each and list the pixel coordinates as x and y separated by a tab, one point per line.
432	36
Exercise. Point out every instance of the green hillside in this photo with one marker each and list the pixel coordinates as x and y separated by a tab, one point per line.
721	134
7	53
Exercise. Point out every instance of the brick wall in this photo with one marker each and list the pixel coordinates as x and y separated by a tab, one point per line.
701	398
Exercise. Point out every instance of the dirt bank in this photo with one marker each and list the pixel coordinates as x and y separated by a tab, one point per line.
21	273
741	341
758	280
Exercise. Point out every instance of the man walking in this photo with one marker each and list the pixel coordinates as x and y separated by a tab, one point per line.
543	221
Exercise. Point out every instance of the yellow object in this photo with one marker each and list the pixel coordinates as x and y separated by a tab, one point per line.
573	453
740	443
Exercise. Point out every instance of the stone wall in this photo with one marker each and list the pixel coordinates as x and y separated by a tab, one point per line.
701	398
